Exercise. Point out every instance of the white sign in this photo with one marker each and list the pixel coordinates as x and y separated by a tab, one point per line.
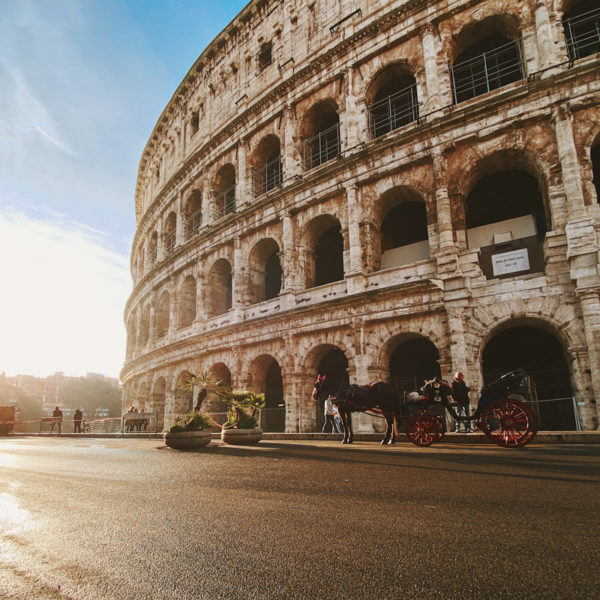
510	262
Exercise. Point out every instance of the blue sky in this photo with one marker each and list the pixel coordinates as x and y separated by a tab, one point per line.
82	83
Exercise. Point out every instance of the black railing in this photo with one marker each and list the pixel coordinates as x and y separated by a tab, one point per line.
488	71
322	148
152	255
395	111
193	224
268	177
583	34
170	241
225	202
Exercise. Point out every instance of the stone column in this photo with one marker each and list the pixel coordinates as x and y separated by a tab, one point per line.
242	188
238	276
430	40
547	47
351	116
444	213
180	223
290	165
354	242
590	306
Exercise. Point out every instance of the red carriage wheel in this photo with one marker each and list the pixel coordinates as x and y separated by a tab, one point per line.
423	430
509	423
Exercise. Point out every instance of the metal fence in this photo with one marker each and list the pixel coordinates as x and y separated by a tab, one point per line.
267	177
225	202
192	224
583	34
488	71
322	147
393	112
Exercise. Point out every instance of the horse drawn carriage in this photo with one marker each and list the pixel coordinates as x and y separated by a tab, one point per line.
504	412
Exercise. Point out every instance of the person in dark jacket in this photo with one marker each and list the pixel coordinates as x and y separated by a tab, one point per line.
460	393
77	418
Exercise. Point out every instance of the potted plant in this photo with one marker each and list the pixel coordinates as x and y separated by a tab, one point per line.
242	425
191	434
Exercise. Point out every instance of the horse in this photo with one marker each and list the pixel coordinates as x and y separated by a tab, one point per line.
379	398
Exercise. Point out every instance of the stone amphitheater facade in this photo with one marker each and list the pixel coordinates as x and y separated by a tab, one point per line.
372	189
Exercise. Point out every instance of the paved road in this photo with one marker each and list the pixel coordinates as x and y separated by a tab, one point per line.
131	519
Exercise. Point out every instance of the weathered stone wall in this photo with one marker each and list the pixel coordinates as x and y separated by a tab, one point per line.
329	54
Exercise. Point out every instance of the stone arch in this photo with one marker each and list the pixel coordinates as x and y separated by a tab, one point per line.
219	287
141	400
131	333
187	301
265	376
170	231
264	271
323	248
539	348
320	134
219	372
392	99
595	158
184	397
485	56
265	162
159	398
193	213
225	190
403	227
153	247
505	185
162	314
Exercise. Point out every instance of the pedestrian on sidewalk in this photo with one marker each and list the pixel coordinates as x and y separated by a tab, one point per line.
329	420
460	393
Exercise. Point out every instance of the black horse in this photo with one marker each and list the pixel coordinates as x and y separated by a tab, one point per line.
376	398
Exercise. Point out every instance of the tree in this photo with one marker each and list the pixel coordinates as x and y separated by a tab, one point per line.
91	394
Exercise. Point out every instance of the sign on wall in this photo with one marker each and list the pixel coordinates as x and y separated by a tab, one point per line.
510	262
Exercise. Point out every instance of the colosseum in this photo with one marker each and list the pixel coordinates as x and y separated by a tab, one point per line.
374	189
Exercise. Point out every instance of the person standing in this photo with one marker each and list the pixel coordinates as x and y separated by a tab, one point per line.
460	393
57	415
329	420
77	418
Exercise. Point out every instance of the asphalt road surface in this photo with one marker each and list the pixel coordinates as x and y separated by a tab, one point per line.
132	519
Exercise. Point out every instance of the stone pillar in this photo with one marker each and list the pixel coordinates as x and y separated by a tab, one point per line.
242	188
290	165
180	223
238	276
351	116
354	243
289	255
590	305
547	47
430	40
444	213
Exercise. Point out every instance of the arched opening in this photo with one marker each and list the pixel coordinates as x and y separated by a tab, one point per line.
141	401
488	57
404	238
184	397
162	314
543	358
595	156
145	327
324	247
187	301
158	402
265	272
266	378
582	29
320	133
153	248
219	372
225	190
392	100
170	232
334	365
267	172
140	263
219	288
193	214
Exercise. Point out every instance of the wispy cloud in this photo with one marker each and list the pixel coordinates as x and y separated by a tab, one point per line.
63	297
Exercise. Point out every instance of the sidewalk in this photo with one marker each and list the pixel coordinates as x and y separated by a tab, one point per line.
543	437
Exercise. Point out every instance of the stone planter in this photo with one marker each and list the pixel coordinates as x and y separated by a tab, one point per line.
187	440
241	436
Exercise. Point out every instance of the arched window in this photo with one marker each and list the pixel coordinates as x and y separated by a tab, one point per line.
225	190
153	248
320	134
219	288
404	238
582	29
329	256
170	232
266	165
187	301
490	58
193	214
264	271
392	100
145	327
140	265
162	314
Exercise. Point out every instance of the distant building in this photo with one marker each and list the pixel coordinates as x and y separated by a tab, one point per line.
373	190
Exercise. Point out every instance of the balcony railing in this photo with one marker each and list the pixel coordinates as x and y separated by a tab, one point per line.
268	177
322	147
583	34
488	71
225	202
394	112
170	241
152	255
192	224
